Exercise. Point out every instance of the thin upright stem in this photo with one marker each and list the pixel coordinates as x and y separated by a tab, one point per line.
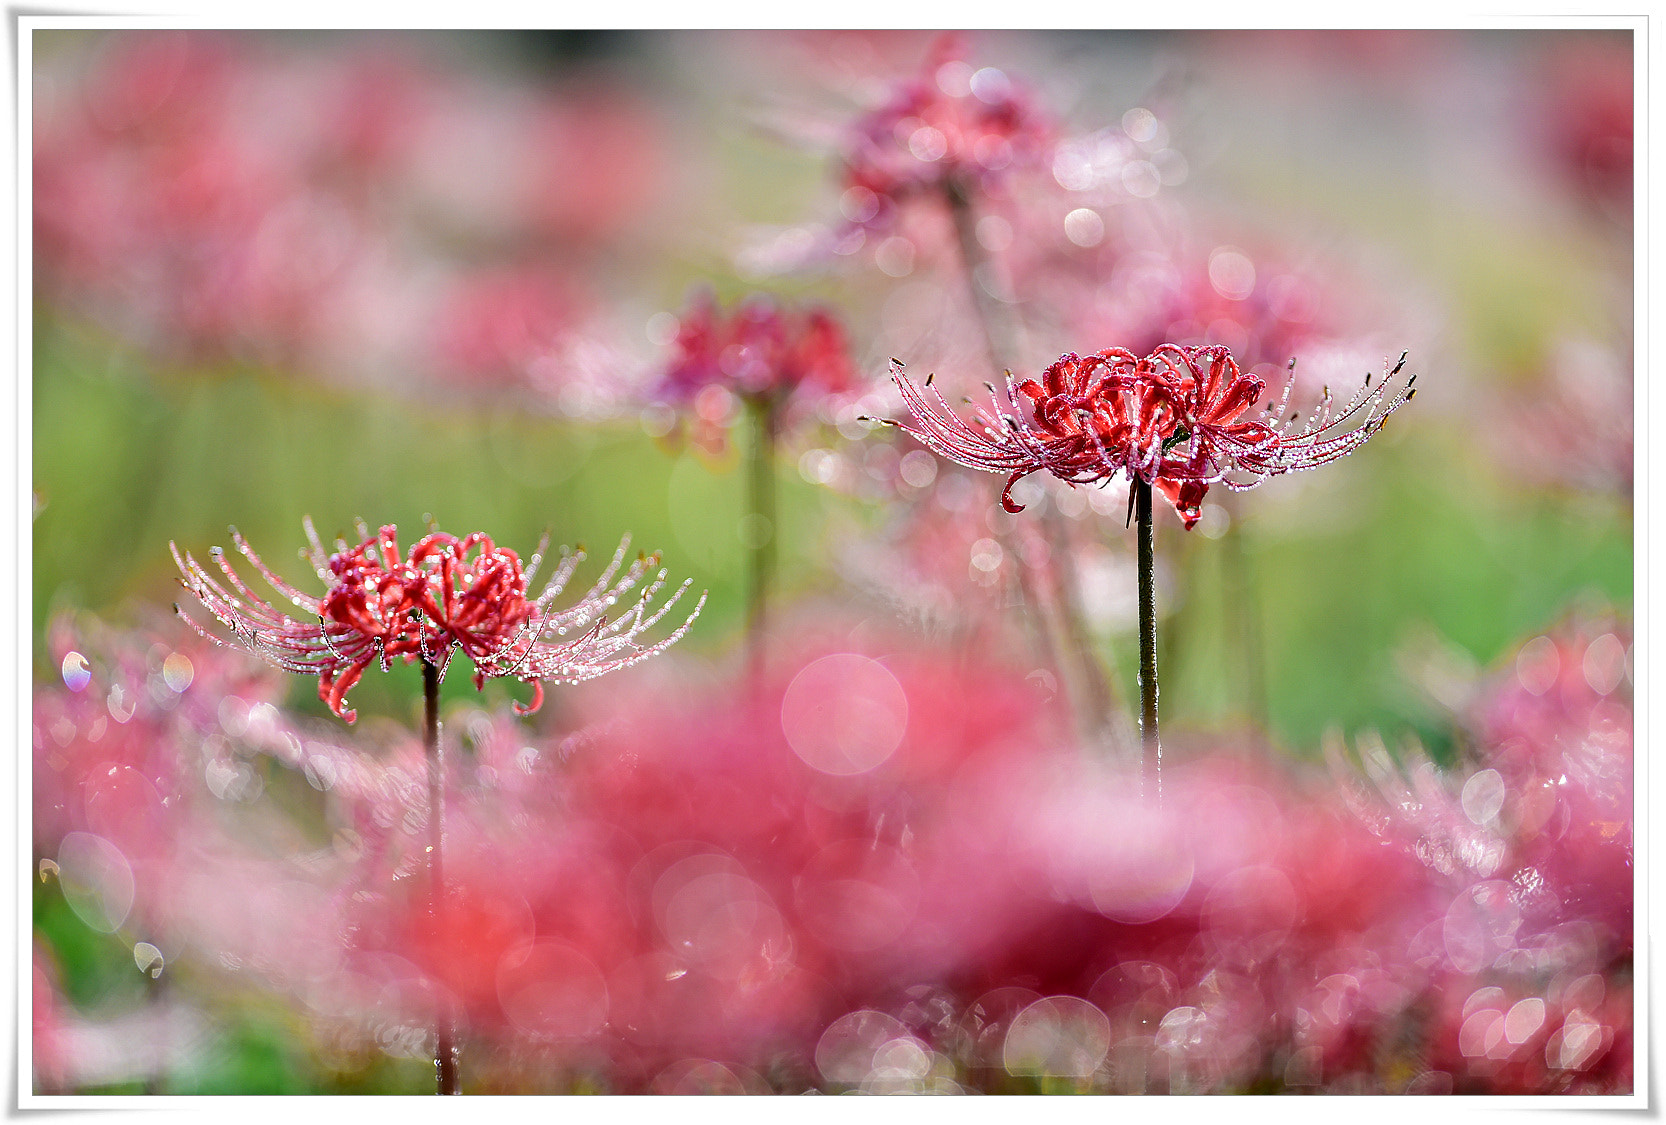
1151	753
971	257
759	528
1088	688
445	1040
1243	605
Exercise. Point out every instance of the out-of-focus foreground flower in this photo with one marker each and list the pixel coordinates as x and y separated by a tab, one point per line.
894	873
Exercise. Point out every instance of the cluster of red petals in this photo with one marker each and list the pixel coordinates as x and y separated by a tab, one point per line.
1179	419
758	350
423	607
448	594
946	128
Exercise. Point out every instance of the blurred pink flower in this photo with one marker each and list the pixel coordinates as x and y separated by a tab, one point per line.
49	1051
760	349
1586	127
218	196
497	323
1571	425
1557	736
599	163
950	129
448	594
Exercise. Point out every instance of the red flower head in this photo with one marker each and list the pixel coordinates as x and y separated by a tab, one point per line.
758	350
1174	418
1214	442
948	128
448	594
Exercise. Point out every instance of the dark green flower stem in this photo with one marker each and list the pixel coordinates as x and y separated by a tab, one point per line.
763	412
445	1045
1151	754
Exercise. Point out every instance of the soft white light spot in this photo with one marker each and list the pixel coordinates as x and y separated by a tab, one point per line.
848	1050
1480	1031
1182	1028
1084	227
895	257
148	959
990	86
954	78
1538	665
1171	167
858	204
1140	124
994	233
177	672
121	704
986	555
928	144
1140	179
97	880
551	990
662	329
76	673
1143	881
1575	1044
918	468
1605	664
1213	520
1524	1019
819	466
1483	796
1231	273
1057	1035
844	714
658	419
1480	924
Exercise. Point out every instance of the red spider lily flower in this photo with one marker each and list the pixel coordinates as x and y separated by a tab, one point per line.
1215	440
1174	418
949	128
448	594
1082	430
759	349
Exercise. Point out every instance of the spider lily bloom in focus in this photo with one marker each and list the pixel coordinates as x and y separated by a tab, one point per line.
1172	421
1214	441
447	594
1078	430
1175	419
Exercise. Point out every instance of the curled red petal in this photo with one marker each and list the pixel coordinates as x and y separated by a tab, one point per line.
1186	496
333	691
1007	501
537	699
